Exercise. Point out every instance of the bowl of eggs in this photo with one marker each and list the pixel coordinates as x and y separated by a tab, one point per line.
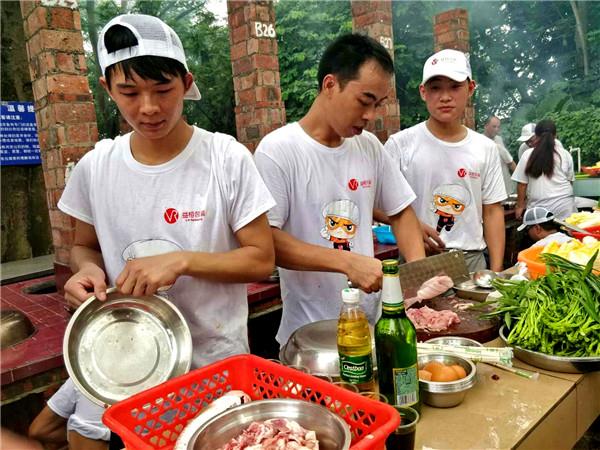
445	378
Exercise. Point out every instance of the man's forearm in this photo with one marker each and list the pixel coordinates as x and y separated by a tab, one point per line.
294	254
521	195
494	234
81	255
409	236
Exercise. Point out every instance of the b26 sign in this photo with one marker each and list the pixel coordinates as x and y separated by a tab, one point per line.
262	29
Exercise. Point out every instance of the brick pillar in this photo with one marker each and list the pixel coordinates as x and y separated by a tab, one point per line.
255	65
374	18
64	107
451	30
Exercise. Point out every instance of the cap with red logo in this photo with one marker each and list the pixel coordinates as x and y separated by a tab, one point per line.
449	63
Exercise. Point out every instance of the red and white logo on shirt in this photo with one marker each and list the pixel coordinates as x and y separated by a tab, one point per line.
172	215
353	184
462	172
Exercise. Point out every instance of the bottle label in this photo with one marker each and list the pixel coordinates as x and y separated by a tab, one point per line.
356	369
406	386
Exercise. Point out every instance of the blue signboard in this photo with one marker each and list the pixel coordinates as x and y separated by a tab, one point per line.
18	134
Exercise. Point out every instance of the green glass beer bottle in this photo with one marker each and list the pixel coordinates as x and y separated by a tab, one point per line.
396	344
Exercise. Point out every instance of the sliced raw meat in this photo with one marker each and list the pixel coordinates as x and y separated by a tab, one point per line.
434	286
274	434
425	318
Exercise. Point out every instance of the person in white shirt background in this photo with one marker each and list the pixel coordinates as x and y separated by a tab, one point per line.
527	137
545	175
454	171
539	224
491	129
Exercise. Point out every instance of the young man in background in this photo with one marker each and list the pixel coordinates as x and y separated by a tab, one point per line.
454	171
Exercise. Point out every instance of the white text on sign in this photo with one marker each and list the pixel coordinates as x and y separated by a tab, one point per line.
262	29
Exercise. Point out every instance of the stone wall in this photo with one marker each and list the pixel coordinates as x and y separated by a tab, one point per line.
64	107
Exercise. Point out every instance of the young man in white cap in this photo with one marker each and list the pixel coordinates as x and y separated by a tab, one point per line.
326	174
454	171
526	138
168	206
541	228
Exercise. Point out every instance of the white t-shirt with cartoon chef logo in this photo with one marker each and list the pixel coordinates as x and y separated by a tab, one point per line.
325	196
452	181
196	201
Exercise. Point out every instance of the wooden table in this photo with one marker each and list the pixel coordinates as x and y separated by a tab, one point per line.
506	411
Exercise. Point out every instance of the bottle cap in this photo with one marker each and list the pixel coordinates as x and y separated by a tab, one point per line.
390	266
350	295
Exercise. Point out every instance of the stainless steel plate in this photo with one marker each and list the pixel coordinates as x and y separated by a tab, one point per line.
468	290
564	364
119	347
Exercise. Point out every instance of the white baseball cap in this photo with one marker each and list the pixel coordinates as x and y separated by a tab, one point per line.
154	37
534	216
527	132
449	63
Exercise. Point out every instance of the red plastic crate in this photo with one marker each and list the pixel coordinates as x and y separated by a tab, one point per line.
153	419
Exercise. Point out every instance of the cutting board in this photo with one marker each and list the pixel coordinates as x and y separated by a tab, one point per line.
470	325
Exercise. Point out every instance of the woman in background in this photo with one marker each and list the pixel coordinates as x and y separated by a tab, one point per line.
545	175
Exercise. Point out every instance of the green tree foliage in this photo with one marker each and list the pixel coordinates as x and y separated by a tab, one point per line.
580	129
207	49
304	29
527	61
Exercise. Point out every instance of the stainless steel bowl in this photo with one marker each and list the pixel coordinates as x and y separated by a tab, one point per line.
454	340
15	327
123	345
449	393
564	364
332	432
314	346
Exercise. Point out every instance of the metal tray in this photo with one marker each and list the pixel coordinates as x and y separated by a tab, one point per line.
563	364
468	290
119	347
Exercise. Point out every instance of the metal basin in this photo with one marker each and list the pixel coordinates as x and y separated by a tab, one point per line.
314	346
123	345
15	327
331	430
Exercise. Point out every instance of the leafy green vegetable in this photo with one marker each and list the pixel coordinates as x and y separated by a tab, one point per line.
557	314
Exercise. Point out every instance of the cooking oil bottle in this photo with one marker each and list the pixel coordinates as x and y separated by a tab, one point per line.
354	343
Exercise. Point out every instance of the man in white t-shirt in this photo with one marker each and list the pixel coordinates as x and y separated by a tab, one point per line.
541	228
454	171
168	206
327	174
491	130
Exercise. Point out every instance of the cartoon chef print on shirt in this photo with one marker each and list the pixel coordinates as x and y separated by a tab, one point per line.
341	220
449	202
